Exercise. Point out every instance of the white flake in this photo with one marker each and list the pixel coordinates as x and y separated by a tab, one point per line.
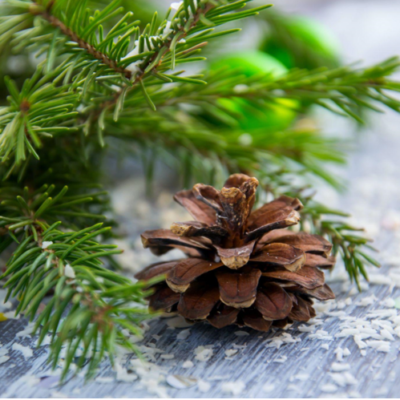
280	360
180	382
339	367
203	386
4	359
167	356
203	353
388	303
175	6
234	388
187	364
183	335
299	377
178	322
385	334
278	341
343	378
379	345
122	374
240	88
27	331
45	244
231	352
104	379
69	272
26	351
367	301
268	387
329	388
241	333
325	346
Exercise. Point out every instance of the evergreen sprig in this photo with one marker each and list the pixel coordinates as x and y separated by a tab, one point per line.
91	309
348	241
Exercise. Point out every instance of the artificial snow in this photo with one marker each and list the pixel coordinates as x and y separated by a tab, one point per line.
234	388
26	351
203	353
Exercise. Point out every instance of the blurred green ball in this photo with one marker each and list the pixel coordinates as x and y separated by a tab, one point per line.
271	117
302	42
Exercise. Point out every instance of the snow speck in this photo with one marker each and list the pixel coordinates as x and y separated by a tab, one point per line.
26	351
69	272
183	335
241	333
203	386
234	388
231	352
203	353
180	382
268	387
45	245
280	360
187	364
329	388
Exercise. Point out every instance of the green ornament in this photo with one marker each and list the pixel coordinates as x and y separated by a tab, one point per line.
302	42
250	115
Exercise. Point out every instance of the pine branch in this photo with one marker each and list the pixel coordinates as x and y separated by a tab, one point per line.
343	90
348	241
90	305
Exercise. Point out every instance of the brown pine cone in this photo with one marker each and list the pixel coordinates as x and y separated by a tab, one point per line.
242	268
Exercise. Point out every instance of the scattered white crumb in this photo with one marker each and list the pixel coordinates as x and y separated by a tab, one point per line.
278	341
122	374
268	387
104	379
340	367
203	386
231	352
343	378
26	351
180	382
69	272
27	331
4	359
45	244
329	388
183	335
167	356
280	360
241	333
178	322
187	364
299	377
57	395
325	346
234	388
203	353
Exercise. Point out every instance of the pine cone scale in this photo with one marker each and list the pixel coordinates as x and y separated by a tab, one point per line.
238	290
282	255
307	277
186	271
237	257
198	301
273	302
243	267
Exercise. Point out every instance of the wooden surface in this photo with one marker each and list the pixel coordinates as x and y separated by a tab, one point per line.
303	361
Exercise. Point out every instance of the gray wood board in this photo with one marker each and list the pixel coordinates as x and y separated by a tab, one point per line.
373	198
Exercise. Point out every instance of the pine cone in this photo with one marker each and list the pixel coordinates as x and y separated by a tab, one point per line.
242	268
